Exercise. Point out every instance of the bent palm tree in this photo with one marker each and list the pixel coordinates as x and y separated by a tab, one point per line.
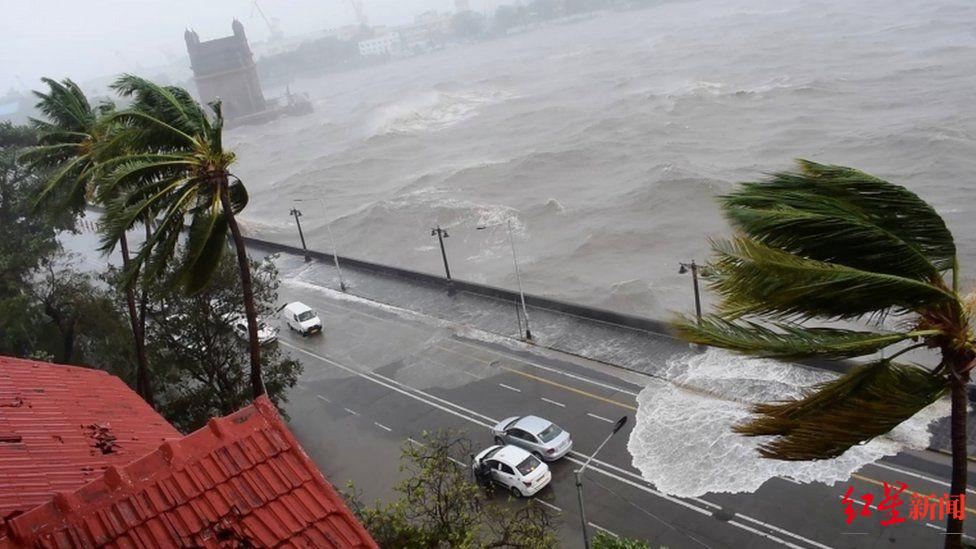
179	170
74	142
833	243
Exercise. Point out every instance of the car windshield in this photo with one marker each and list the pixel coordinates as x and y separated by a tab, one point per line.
550	433
528	465
307	315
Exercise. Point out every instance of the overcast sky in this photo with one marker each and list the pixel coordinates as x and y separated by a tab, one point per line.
84	39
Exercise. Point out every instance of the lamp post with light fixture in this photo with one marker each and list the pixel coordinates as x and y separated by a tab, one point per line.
518	279
296	213
335	251
579	475
693	267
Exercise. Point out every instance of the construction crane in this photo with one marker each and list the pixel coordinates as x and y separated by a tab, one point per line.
273	28
357	6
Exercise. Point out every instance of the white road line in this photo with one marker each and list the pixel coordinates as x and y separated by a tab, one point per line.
782	531
510	388
323	398
384	427
459	462
916	475
602	529
415	394
560	404
417	442
353	412
601	418
542	367
549	505
930	525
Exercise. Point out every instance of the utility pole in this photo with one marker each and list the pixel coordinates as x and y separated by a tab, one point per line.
693	267
518	278
335	251
441	234
297	214
579	476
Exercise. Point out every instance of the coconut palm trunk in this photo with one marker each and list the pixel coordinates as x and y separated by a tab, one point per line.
250	312
136	322
960	461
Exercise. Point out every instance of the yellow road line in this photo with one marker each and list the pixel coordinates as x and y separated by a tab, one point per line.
568	388
881	483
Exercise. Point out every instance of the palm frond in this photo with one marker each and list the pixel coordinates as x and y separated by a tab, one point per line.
755	279
788	340
867	402
888	207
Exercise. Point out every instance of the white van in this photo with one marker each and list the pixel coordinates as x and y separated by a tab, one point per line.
301	318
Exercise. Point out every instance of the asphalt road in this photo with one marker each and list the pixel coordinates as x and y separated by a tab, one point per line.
377	379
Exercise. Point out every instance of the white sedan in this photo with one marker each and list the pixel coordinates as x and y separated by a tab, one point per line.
520	472
266	334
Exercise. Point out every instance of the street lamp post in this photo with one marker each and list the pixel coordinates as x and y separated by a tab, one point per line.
301	235
579	475
441	234
693	267
518	279
335	250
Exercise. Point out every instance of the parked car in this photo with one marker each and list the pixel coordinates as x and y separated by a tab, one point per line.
537	435
301	318
266	334
520	472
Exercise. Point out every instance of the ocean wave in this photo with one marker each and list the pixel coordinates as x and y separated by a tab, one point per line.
433	111
692	417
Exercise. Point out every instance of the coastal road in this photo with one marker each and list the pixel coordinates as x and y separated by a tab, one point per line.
378	378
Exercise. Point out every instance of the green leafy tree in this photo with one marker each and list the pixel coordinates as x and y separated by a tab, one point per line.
30	239
74	142
176	169
199	357
605	541
831	243
441	506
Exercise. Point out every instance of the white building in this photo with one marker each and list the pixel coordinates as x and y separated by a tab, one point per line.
388	44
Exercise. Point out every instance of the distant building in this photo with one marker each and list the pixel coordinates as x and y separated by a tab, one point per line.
388	44
224	68
428	30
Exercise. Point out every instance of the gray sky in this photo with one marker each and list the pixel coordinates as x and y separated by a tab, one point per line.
84	39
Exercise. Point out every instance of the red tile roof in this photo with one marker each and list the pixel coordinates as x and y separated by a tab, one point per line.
242	481
62	426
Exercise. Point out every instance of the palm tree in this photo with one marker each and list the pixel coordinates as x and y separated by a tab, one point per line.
832	243
73	143
178	170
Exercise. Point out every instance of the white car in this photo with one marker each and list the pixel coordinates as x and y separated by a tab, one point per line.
266	334
301	318
537	435
520	472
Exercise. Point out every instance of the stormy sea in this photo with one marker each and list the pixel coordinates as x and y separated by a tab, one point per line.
605	141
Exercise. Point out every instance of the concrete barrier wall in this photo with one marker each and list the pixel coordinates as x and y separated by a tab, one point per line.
592	313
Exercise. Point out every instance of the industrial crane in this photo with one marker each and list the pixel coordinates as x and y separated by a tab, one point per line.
357	6
273	28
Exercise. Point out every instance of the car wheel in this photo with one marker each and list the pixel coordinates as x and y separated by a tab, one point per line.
516	493
499	441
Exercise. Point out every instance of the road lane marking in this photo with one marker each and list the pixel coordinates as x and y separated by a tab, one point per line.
570	389
560	404
881	483
417	442
323	398
601	418
384	427
353	412
392	385
549	505
549	369
916	475
602	529
510	388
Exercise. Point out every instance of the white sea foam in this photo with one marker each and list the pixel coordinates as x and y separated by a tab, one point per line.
684	445
434	111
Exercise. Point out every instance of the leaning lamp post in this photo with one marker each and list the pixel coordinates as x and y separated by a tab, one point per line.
518	279
694	268
579	475
335	251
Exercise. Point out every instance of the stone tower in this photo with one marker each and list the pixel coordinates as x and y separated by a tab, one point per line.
224	68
